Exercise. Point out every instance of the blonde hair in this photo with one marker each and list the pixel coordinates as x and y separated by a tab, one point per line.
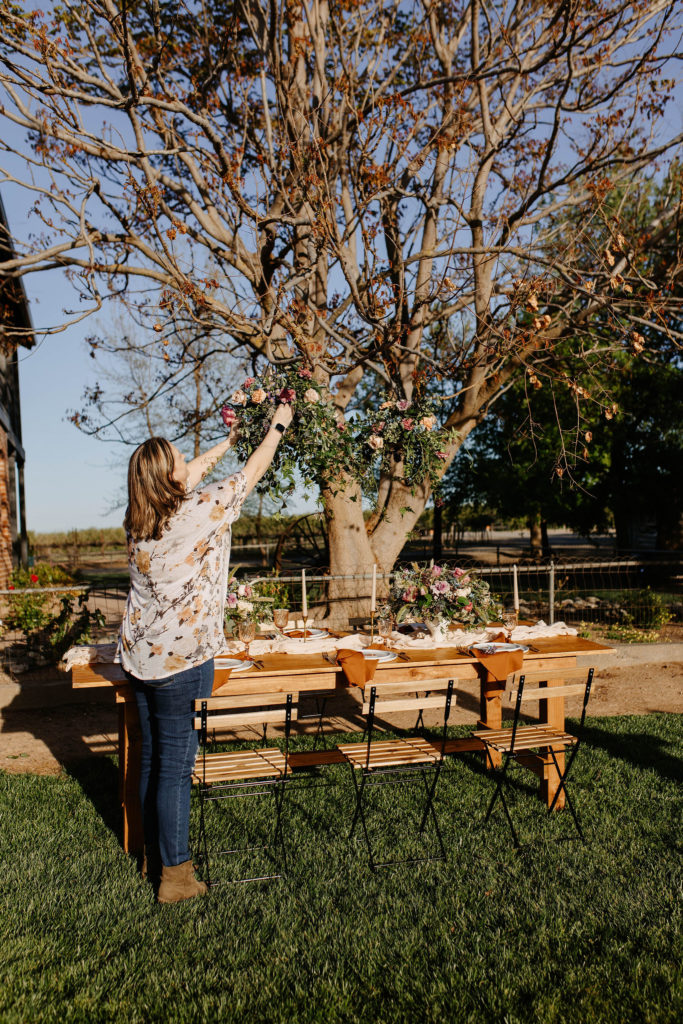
153	495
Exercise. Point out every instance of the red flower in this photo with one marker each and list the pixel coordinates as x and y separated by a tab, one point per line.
407	423
442	455
287	395
34	578
305	372
10	586
228	415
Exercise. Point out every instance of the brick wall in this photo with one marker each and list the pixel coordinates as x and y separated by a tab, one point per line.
5	522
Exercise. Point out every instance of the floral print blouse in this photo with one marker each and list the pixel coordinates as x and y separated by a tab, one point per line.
176	603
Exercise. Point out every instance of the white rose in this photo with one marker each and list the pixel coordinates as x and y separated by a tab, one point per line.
311	396
238	397
245	607
376	442
463	592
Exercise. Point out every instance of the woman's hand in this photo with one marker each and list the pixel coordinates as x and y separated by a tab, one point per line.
283	414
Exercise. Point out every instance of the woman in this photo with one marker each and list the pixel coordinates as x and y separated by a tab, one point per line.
178	553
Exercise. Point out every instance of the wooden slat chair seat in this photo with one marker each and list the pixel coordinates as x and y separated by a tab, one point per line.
261	772
520	740
404	759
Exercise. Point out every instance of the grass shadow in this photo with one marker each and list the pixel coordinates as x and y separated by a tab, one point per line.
98	779
641	749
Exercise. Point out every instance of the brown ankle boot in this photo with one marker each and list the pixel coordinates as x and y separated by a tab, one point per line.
178	883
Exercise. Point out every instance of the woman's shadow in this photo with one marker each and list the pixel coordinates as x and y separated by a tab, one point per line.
78	729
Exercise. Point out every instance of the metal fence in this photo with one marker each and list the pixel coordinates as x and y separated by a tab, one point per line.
642	592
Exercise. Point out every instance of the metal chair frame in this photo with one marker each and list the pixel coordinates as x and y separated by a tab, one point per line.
262	786
511	756
397	775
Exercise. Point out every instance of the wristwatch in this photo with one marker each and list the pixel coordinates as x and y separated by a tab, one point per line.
280	427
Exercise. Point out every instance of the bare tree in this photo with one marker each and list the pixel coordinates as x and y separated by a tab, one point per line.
353	172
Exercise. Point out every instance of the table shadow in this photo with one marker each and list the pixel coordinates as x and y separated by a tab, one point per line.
640	749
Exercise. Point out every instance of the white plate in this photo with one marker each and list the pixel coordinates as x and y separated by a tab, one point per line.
312	634
373	655
497	648
236	664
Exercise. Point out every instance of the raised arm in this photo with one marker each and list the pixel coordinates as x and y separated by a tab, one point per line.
261	458
203	464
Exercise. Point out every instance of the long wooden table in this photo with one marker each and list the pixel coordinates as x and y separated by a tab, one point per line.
312	673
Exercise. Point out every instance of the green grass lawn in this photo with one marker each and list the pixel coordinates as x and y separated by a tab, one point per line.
559	931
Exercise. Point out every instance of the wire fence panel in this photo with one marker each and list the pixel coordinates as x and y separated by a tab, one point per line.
38	624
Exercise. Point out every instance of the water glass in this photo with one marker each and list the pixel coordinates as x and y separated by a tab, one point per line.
509	621
385	627
246	631
280	619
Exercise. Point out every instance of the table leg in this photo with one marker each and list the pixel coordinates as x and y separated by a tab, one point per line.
491	715
129	777
552	713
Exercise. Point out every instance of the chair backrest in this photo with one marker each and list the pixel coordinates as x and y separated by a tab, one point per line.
518	692
243	709
378	699
519	681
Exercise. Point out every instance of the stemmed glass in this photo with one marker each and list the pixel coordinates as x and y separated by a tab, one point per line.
280	619
246	631
385	626
509	621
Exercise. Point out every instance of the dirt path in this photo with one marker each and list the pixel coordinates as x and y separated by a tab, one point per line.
45	725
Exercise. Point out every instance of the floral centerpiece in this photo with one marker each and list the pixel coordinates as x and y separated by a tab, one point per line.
439	595
239	606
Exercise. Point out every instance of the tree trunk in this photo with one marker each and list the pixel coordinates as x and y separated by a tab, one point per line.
545	543
437	534
535	535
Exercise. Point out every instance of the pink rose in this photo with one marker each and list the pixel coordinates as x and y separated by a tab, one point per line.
305	373
407	423
232	600
459	572
311	396
228	415
440	587
378	427
468	607
442	455
258	395
248	382
376	442
436	570
402	405
287	395
238	397
341	427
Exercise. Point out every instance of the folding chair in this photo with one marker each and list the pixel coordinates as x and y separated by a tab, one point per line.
262	772
518	742
406	759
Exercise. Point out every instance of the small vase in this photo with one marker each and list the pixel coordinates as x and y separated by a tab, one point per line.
439	630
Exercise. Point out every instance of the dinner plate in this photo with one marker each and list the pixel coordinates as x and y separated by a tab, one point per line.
498	648
311	634
374	655
236	664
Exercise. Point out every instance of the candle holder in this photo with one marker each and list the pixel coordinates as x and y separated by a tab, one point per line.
372	627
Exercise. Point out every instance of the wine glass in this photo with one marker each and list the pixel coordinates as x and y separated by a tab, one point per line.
509	621
280	619
246	631
385	626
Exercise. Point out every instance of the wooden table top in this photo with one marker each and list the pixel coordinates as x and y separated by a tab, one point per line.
316	672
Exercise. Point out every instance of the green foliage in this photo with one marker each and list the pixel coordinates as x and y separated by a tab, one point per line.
645	608
51	622
561	931
276	593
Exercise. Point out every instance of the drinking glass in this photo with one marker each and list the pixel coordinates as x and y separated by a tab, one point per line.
385	627
280	619
509	621
246	631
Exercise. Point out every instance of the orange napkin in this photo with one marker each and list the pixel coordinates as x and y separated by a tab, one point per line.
220	678
356	669
499	666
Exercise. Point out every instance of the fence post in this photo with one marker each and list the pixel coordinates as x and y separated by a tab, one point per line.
551	593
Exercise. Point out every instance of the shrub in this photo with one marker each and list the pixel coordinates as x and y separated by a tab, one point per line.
645	608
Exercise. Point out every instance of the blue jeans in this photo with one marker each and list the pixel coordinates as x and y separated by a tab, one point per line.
169	748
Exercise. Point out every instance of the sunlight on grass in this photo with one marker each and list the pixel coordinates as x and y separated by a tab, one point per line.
557	931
